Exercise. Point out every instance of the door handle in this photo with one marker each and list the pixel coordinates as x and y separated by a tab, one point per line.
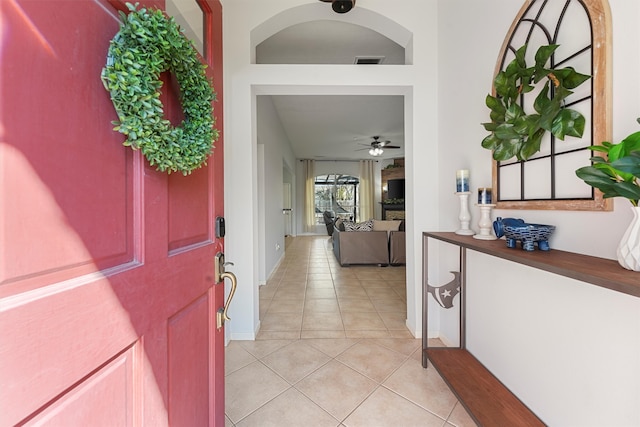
221	315
221	274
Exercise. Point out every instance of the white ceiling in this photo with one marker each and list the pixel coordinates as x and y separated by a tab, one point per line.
341	127
328	127
336	127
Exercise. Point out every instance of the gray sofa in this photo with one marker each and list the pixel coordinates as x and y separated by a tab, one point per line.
360	247
397	248
369	247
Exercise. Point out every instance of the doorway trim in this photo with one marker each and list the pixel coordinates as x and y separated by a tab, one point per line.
305	90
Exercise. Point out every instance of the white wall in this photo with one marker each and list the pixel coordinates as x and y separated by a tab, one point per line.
455	46
570	350
244	81
277	153
469	47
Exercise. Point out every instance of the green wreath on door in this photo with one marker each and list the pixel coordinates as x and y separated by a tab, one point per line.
148	44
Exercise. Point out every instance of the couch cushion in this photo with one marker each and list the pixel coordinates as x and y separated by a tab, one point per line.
360	226
386	225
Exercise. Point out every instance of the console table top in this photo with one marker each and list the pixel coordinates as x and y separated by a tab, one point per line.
601	272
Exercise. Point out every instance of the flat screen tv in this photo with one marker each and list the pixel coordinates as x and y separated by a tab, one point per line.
395	189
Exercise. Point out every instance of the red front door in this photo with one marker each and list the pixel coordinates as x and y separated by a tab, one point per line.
107	292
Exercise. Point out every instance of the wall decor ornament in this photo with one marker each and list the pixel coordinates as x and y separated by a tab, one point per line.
516	230
445	294
514	132
148	44
582	31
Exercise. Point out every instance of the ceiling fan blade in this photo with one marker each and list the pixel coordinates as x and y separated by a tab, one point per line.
392	146
327	1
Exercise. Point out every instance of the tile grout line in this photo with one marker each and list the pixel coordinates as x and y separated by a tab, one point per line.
312	262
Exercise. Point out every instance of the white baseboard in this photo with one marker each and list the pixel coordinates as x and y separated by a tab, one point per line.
433	334
243	337
446	341
415	332
273	270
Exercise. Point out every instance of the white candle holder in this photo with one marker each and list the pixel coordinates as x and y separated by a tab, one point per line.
485	224
465	215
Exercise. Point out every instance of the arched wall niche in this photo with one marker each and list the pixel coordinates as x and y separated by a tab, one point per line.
319	12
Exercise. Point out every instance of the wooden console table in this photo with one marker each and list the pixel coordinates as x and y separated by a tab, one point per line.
486	399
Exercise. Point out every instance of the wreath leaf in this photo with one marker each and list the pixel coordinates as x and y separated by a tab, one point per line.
148	44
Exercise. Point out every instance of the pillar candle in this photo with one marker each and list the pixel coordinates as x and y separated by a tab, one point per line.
462	181
484	196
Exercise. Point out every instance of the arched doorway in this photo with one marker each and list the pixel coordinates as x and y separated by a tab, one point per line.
306	81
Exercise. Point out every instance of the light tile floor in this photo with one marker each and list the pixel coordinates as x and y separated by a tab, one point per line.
333	350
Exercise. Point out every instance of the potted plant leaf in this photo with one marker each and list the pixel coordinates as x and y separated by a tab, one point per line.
513	131
617	174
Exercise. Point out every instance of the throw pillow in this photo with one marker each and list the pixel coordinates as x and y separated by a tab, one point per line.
386	225
339	224
360	226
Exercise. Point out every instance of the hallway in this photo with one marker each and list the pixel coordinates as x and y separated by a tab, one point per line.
333	350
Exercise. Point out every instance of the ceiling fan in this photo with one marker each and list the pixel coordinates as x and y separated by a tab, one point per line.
341	6
376	146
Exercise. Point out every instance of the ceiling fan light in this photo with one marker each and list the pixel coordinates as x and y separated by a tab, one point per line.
376	151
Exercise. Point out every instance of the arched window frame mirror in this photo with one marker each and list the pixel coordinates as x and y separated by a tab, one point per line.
550	17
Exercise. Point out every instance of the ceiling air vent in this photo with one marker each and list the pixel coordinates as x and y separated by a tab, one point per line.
369	60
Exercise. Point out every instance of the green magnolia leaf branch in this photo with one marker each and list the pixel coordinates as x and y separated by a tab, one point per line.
516	133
